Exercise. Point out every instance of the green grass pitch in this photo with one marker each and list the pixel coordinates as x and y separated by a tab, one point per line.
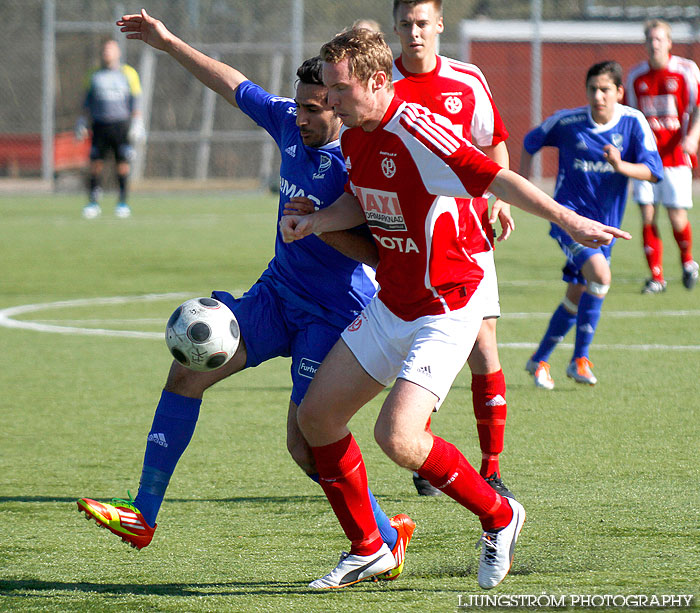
608	475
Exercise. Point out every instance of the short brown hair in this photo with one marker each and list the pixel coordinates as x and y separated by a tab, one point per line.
436	3
608	67
657	23
366	52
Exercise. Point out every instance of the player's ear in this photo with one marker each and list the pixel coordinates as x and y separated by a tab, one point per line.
620	93
379	80
440	26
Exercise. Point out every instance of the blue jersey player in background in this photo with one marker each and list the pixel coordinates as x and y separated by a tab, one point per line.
304	299
600	146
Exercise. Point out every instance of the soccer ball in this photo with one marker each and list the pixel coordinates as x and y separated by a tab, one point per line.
202	334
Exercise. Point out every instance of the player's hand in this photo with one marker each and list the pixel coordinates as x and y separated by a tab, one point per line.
501	212
295	227
689	146
299	205
593	233
137	131
611	154
144	27
80	130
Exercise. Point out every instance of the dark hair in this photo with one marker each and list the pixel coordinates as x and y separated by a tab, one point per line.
412	3
311	71
608	67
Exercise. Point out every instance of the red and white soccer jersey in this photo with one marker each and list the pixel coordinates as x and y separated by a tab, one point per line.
409	174
459	92
667	97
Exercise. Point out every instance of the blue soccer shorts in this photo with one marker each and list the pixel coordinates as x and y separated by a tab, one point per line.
272	327
576	255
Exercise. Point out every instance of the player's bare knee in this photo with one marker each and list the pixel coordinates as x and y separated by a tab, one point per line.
186	382
397	445
312	418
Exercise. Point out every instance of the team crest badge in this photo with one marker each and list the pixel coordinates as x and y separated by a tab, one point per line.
671	85
617	141
323	166
388	167
453	104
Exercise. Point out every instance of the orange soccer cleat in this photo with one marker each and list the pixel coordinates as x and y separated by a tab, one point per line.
121	518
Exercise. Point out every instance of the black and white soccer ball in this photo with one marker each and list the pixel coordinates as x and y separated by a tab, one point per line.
202	334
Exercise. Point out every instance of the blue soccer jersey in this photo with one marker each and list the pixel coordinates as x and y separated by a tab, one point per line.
586	183
308	273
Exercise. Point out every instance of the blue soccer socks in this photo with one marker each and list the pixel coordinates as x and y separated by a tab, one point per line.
589	309
559	325
173	425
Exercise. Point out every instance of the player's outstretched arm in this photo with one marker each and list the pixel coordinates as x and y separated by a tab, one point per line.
344	213
220	77
513	188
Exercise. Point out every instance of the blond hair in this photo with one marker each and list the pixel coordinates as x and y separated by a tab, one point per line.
366	52
369	24
651	24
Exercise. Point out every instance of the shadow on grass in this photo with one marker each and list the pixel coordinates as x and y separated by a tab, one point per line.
264	500
21	587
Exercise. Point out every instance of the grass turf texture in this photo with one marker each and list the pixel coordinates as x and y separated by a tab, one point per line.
608	475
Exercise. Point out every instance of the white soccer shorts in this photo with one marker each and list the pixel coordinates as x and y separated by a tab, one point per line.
674	192
487	292
429	351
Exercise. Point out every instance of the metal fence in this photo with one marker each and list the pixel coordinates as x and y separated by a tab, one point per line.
533	53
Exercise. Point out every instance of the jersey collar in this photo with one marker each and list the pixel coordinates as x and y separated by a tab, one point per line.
597	127
418	77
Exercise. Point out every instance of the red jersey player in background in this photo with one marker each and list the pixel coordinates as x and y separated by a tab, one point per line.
666	88
459	92
409	174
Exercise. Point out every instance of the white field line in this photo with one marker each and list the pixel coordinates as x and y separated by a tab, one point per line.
59	326
6	315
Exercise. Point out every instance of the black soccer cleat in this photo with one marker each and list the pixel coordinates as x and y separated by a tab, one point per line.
498	486
690	274
423	486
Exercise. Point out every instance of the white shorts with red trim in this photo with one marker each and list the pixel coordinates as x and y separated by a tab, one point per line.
487	292
674	192
428	351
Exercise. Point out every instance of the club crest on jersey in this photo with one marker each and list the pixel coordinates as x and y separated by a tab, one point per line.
323	166
388	167
617	141
381	209
453	104
671	85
